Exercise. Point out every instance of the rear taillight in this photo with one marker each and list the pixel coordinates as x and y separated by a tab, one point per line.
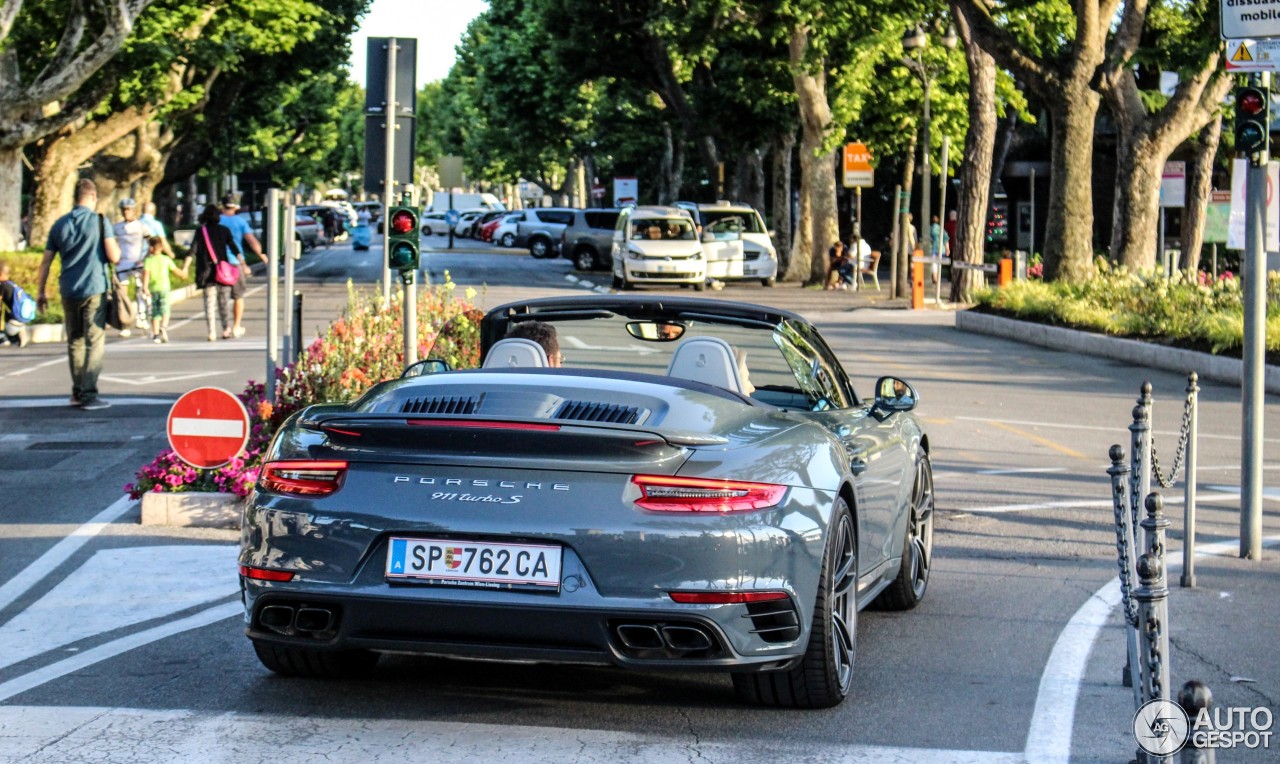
303	478
661	493
263	574
483	424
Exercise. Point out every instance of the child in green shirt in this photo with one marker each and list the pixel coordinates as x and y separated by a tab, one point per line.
157	266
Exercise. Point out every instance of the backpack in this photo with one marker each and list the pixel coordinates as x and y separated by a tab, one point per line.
22	307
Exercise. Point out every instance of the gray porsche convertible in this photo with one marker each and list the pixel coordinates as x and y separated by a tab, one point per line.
647	482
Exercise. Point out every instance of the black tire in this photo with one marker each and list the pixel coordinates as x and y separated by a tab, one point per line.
768	282
318	664
508	240
701	286
824	676
584	259
426	230
617	282
908	589
540	247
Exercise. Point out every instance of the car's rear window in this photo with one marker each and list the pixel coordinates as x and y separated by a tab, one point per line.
555	216
601	219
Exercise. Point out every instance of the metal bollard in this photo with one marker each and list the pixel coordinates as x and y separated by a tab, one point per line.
296	332
1193	697
1140	456
1152	596
1188	578
1125	551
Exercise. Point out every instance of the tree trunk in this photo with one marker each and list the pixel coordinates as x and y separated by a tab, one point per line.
783	147
1004	140
975	172
819	224
1199	186
902	246
1068	236
1135	220
754	192
11	201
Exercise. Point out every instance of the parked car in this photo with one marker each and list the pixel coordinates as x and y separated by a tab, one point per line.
588	240
433	222
539	229
489	226
701	487
508	226
466	223
307	229
485	221
736	243
657	245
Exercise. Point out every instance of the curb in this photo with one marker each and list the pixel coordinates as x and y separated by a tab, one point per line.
58	332
1212	367
192	510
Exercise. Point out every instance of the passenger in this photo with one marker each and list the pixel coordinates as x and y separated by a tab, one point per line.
542	333
744	374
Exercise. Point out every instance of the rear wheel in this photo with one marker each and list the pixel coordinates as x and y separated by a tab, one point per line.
617	282
768	282
584	259
824	675
540	248
311	663
508	240
909	587
701	286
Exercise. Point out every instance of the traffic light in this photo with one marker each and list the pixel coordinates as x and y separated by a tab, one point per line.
1253	120
402	238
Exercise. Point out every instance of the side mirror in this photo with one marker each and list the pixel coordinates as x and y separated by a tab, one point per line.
893	394
425	367
708	238
618	236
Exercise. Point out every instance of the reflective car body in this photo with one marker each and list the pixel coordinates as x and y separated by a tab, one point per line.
686	521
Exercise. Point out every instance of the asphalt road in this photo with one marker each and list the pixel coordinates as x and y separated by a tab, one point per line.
123	643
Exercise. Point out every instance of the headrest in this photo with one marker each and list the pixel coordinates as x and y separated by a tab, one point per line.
516	353
709	360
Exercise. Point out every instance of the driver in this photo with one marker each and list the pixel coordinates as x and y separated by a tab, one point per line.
542	333
655	232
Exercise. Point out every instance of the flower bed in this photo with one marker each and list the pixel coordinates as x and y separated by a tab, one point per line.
1198	313
361	348
24	269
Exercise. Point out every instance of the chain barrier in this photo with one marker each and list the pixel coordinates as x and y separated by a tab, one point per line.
1184	437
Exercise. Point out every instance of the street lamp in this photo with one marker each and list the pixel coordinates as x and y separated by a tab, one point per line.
914	42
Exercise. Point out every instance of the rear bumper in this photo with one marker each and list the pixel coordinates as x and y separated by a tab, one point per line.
641	639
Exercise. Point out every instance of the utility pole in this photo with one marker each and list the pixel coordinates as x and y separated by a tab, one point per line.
389	179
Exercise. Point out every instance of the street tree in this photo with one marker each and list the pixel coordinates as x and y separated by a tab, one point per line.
1177	37
50	54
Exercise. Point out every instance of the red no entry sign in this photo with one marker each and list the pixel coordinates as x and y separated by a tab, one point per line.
208	427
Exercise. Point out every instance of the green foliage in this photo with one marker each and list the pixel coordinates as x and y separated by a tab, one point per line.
1192	311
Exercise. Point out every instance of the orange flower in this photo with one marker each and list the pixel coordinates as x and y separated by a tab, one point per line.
265	409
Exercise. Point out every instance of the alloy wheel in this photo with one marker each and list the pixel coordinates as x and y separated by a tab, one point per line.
920	529
844	577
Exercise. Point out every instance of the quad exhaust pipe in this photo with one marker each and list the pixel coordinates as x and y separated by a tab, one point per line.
290	620
677	638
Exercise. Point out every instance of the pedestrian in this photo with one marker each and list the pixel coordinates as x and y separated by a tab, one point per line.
131	234
839	267
157	267
242	236
156	228
937	245
950	227
87	246
16	310
212	244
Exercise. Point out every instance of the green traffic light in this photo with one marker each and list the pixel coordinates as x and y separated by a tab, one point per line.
404	256
1250	137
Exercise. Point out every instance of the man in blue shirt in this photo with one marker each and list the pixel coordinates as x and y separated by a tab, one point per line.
88	247
243	235
156	228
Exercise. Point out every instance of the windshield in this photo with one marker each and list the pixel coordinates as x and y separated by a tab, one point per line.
731	221
663	229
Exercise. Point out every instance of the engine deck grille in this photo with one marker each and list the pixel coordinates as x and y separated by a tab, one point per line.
441	404
586	411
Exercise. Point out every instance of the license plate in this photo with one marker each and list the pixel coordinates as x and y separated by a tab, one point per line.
666	268
748	271
473	563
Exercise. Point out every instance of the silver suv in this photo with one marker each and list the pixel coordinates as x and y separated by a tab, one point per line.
589	238
539	229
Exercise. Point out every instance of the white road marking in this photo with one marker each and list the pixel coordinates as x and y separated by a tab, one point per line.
207	428
29	369
21	684
59	552
61	402
1053	720
1073	504
572	279
1022	471
1122	432
144	378
148	735
146	583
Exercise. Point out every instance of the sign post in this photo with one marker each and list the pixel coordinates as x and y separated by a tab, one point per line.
208	427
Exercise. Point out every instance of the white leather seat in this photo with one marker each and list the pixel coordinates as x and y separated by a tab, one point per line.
709	360
516	353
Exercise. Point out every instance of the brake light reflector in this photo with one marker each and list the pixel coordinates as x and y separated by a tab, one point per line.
483	424
662	493
303	478
262	574
725	598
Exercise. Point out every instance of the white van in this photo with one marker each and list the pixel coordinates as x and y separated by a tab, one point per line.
440	202
657	245
735	242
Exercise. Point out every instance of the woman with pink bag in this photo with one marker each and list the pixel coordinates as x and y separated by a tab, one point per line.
215	273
